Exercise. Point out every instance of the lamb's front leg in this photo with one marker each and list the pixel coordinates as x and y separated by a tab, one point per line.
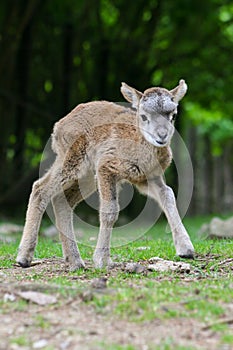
164	195
109	210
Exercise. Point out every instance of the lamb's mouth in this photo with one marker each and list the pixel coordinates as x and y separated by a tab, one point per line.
151	139
162	143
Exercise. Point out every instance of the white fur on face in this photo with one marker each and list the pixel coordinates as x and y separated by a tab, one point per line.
160	103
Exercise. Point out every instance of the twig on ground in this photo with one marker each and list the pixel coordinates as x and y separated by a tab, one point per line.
220	263
168	306
218	322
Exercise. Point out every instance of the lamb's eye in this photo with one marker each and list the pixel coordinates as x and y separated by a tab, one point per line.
173	117
144	117
168	115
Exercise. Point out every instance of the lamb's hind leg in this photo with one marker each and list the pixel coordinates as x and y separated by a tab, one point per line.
42	191
63	205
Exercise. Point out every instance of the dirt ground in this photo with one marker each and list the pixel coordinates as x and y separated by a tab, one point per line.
75	324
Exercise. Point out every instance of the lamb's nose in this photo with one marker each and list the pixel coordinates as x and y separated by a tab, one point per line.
162	134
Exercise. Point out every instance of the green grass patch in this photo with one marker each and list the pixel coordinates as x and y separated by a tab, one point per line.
153	299
202	294
170	344
20	341
227	338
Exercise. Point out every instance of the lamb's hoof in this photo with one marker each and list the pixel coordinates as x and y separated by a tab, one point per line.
188	255
23	262
102	262
77	265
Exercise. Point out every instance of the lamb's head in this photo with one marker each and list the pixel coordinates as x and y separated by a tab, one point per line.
156	110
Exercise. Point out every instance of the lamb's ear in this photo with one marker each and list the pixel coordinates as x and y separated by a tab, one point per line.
179	91
130	94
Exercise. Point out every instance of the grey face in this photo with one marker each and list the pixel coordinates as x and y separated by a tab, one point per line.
157	111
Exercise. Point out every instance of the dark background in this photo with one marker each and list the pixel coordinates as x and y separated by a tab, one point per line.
55	54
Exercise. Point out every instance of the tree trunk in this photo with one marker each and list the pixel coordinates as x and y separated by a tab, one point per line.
192	147
228	178
17	16
207	207
218	183
67	67
21	112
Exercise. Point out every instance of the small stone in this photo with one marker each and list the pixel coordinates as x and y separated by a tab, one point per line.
155	259
8	228
65	345
134	268
99	283
161	265
38	298
143	248
87	295
40	344
50	232
9	297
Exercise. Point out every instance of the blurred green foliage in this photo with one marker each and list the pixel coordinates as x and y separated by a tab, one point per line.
55	54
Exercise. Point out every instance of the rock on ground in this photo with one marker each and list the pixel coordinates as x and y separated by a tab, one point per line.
217	228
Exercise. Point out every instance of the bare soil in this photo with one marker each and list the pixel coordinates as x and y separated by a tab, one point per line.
72	323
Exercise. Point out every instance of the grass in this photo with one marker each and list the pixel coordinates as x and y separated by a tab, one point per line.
164	299
203	294
20	341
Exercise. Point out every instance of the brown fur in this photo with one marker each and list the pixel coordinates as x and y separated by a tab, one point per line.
100	144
